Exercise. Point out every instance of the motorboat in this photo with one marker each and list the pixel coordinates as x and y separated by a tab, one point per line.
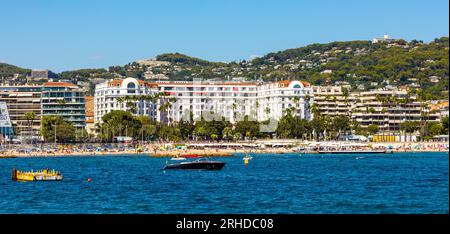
247	157
178	159
190	156
198	164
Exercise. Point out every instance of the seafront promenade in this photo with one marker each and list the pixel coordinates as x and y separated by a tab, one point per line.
162	149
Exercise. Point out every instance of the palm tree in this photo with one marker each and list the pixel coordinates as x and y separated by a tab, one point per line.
233	107
214	137
30	116
267	111
395	103
167	102
307	99
315	109
423	114
237	136
61	102
346	94
120	99
296	100
227	133
257	108
381	101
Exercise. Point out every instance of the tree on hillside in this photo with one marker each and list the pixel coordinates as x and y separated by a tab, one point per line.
445	123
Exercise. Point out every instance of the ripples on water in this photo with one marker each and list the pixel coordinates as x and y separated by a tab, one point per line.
288	183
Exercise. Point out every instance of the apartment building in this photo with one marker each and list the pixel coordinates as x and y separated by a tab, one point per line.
65	100
331	101
385	108
20	100
50	98
389	108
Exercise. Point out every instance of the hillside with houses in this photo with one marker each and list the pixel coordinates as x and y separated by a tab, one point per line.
362	65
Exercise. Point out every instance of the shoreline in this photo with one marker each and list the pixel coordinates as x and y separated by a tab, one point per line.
169	154
159	150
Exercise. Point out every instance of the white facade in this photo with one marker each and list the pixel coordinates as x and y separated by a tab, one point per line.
385	38
275	98
106	94
231	100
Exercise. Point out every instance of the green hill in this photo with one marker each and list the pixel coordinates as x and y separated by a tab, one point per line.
7	70
361	64
182	59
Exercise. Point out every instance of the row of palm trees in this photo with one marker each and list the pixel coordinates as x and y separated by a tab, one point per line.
131	100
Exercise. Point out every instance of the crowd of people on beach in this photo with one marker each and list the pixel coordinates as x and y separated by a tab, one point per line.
173	149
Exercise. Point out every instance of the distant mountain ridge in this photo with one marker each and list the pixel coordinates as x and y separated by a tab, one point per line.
360	64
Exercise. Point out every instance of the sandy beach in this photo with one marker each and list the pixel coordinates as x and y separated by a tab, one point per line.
157	150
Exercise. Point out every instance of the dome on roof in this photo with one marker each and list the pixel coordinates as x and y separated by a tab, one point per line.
132	81
296	84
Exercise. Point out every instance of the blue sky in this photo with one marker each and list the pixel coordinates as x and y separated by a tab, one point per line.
66	35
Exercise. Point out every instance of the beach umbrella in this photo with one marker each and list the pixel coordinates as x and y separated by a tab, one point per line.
389	147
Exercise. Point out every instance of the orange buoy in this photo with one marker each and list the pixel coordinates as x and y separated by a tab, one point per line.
89	180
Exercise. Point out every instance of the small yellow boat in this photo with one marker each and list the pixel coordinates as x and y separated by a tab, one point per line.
42	175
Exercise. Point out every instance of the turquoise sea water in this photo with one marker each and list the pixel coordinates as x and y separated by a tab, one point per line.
287	183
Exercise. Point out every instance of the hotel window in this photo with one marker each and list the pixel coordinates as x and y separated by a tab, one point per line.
131	87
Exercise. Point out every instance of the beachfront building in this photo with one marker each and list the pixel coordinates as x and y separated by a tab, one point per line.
19	100
212	99
385	108
232	100
45	99
333	100
274	99
89	108
107	94
65	100
389	108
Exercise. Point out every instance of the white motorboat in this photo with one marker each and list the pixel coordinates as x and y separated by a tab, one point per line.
178	159
247	157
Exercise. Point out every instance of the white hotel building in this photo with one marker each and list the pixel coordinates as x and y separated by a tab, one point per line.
232	100
106	94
